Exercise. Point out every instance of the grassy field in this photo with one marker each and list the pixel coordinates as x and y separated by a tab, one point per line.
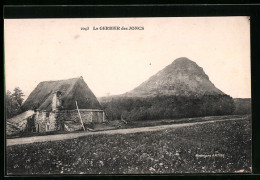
148	123
221	147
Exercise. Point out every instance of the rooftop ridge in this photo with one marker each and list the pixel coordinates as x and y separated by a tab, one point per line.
75	78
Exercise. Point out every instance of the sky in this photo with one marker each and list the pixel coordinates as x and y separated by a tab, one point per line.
116	61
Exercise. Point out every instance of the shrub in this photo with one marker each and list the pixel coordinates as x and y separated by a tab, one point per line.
161	107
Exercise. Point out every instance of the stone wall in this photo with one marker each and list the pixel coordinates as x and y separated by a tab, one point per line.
67	120
87	116
40	121
52	121
45	121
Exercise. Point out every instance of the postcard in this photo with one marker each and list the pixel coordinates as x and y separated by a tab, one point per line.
159	95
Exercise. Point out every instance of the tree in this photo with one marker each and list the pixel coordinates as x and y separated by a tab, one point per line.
161	107
9	104
14	102
18	95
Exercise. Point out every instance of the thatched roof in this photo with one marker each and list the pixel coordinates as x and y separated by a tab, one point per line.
72	90
13	125
17	119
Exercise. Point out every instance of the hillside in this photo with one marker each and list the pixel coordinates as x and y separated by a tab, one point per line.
181	89
182	77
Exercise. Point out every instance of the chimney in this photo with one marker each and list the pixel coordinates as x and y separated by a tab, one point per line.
56	100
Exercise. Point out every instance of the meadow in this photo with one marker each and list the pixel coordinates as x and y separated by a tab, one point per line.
220	147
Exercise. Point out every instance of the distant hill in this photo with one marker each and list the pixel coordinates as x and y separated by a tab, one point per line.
181	89
242	105
182	77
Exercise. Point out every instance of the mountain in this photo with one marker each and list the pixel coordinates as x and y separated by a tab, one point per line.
180	90
182	77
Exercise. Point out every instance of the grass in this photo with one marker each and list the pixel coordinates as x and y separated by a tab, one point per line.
221	147
147	123
118	124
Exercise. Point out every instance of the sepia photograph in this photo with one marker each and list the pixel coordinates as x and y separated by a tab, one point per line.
157	95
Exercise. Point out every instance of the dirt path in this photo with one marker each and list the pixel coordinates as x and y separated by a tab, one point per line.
27	140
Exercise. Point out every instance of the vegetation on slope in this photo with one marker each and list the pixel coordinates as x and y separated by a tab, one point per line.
163	107
182	77
242	106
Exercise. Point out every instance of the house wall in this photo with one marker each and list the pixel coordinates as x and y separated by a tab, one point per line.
67	120
86	116
40	121
45	121
52	121
92	116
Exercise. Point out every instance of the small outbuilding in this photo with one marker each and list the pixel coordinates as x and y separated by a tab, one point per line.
62	105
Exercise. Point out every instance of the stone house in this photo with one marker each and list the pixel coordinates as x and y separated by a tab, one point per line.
55	109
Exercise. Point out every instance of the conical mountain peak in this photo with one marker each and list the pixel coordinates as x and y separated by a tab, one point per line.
182	77
183	60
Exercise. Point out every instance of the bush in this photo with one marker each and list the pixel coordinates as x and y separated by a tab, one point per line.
162	107
243	106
